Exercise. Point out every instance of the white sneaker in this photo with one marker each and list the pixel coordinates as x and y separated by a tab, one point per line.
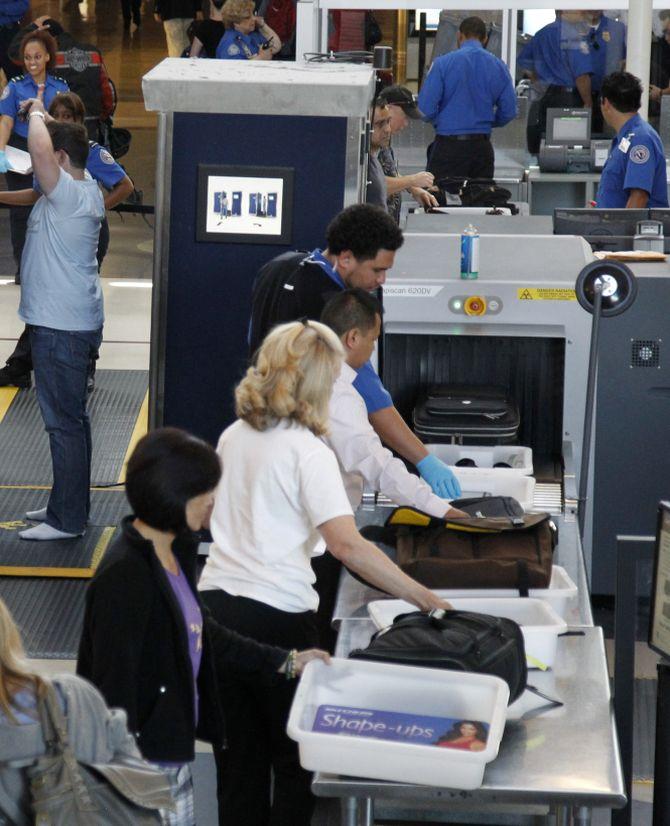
37	516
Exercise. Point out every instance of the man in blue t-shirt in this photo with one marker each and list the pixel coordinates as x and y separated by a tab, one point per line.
61	302
634	176
361	245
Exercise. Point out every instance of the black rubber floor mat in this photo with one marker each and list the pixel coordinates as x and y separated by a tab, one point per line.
49	613
62	558
108	507
113	407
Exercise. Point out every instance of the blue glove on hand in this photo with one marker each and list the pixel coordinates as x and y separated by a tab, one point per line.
4	165
439	477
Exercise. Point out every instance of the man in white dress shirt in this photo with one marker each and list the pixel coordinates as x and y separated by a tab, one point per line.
355	316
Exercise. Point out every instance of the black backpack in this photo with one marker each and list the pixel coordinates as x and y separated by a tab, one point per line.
455	640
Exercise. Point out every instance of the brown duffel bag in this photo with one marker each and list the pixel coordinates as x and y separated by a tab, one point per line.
477	552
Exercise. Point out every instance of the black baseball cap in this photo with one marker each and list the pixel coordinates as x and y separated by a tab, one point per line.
400	96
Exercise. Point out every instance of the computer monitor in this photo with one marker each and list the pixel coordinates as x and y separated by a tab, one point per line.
659	621
568	127
662	215
602	228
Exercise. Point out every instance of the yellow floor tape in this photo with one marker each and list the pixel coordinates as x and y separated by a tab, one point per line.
70	573
7	395
140	429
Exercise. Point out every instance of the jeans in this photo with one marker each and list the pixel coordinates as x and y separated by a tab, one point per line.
60	361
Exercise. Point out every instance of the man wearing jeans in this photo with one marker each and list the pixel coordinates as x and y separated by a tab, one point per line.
61	302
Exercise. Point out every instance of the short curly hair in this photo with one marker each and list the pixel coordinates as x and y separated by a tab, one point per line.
364	230
293	377
234	11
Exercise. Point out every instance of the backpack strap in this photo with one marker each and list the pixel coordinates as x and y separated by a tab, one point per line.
522	577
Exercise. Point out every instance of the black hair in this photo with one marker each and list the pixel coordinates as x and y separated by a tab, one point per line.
623	90
364	230
167	468
72	138
473	27
455	731
353	309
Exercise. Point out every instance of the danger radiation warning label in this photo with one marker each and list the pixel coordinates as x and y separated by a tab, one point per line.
545	294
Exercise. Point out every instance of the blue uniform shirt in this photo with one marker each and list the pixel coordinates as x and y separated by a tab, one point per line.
23	88
11	11
636	161
100	165
608	49
558	54
468	91
367	383
237	46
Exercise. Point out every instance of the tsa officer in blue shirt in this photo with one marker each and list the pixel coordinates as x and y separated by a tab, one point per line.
11	12
607	42
247	36
465	95
560	58
634	176
38	54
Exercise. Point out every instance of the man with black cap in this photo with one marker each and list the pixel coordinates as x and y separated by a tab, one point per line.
402	107
465	95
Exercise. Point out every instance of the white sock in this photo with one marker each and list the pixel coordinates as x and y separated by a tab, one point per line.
37	516
46	532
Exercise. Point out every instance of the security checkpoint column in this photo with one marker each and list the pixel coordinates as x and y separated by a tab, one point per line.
226	130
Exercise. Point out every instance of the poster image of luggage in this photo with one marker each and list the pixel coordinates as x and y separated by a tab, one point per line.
240	205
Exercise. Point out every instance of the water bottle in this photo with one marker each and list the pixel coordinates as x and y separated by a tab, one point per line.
470	252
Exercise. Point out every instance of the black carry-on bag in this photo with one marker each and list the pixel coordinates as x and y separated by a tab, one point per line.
455	640
462	413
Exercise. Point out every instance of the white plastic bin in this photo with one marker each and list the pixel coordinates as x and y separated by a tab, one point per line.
397	688
475	482
540	624
486	456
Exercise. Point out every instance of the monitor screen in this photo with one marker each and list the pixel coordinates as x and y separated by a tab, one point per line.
659	623
570	128
593	224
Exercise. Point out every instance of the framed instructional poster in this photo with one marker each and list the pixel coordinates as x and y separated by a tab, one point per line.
247	204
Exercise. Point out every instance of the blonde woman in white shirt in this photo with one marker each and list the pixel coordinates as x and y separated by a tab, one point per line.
280	501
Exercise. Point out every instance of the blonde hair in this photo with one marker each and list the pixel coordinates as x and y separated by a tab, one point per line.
14	671
293	377
234	11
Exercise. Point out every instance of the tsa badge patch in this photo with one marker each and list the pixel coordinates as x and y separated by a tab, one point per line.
233	49
639	153
5	92
607	36
105	157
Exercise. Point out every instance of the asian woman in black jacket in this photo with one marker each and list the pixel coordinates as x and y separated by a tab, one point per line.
148	643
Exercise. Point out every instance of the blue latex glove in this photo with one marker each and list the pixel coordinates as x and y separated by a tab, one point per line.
439	477
4	165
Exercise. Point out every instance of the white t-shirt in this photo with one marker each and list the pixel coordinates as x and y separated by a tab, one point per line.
277	486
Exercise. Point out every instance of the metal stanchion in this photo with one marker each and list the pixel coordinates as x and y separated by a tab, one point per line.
422	46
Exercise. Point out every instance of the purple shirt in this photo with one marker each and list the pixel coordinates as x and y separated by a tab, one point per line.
193	619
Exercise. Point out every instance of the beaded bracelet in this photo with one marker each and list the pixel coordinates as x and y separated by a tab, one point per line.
291	664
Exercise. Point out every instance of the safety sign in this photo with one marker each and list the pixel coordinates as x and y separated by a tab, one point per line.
545	294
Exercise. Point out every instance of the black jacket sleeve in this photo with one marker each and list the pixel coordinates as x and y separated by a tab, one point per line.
241	654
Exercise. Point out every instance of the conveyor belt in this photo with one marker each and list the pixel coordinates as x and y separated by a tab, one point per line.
108	507
114	407
49	613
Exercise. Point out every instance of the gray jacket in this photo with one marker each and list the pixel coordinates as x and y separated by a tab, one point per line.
97	734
